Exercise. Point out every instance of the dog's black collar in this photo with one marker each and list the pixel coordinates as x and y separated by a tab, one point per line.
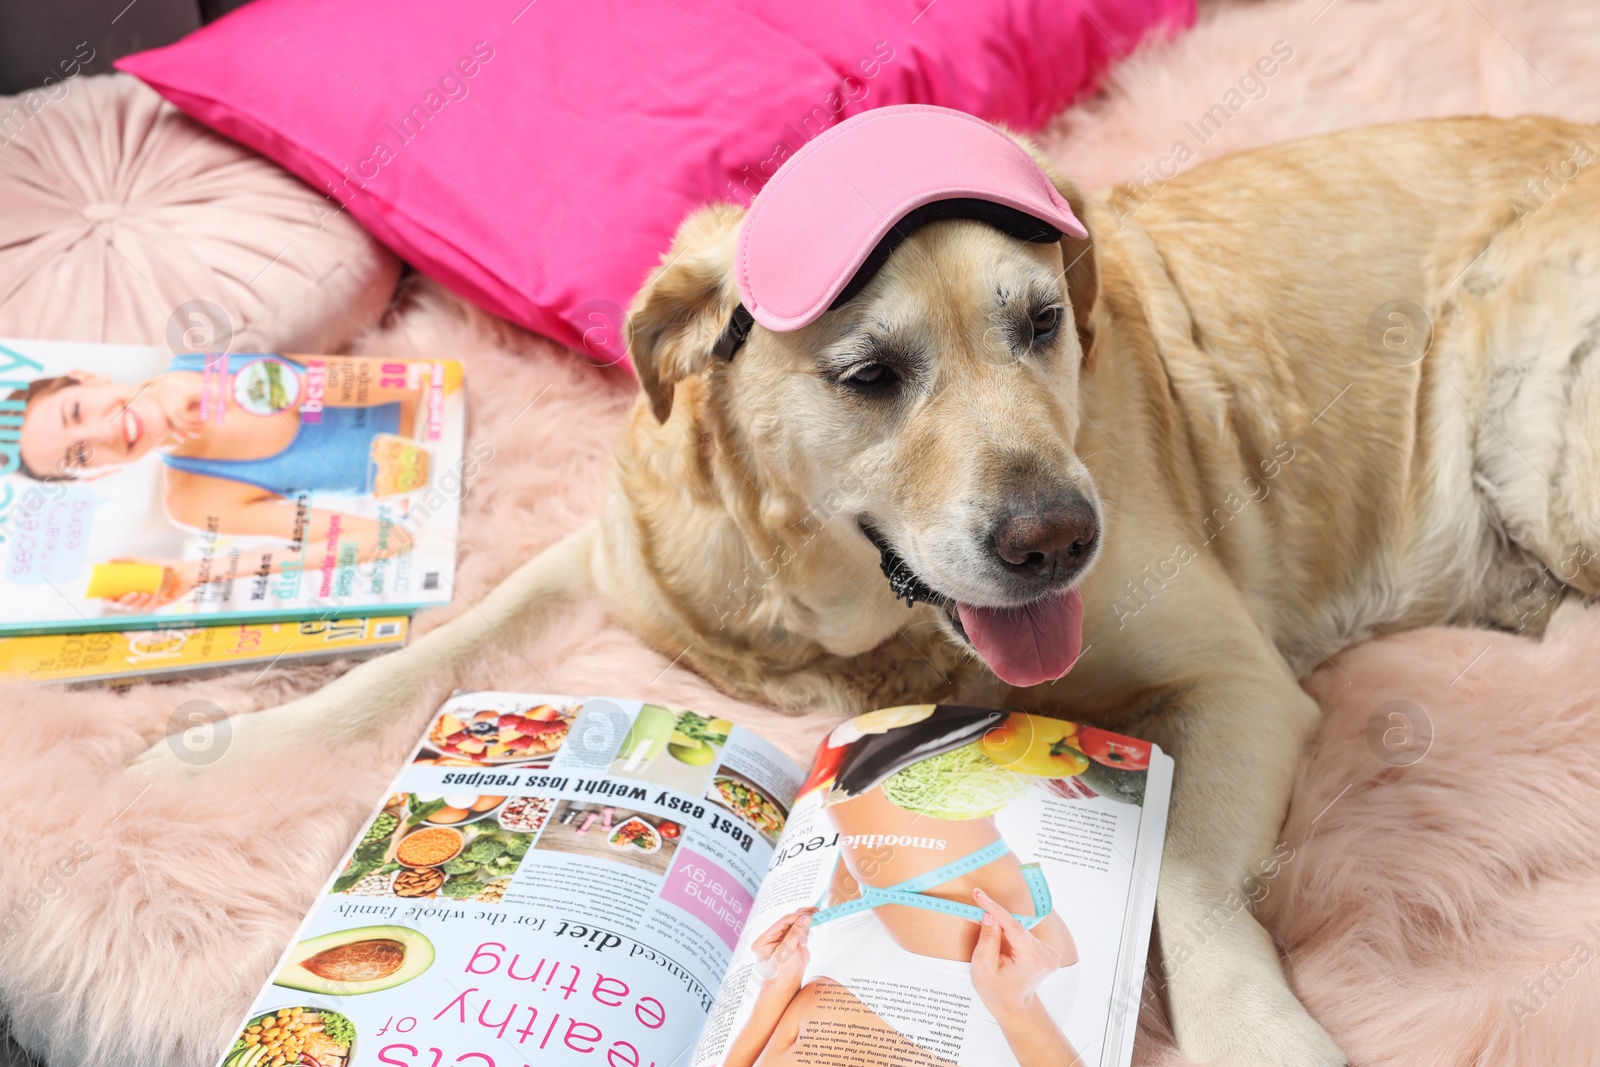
1006	219
903	581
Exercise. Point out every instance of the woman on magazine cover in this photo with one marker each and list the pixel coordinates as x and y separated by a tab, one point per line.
235	464
947	905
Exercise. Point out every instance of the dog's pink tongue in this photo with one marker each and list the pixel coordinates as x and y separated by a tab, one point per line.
1031	645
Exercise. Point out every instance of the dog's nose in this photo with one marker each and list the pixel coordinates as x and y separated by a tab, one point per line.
1051	542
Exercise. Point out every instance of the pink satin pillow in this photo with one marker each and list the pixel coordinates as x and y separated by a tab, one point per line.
536	155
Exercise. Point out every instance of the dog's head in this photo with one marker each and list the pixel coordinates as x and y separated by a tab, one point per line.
938	406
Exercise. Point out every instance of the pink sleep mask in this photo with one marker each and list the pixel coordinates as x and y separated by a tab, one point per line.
835	211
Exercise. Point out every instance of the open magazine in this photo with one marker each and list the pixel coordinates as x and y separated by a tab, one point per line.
554	880
140	490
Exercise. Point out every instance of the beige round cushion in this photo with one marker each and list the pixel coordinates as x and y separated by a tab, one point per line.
123	220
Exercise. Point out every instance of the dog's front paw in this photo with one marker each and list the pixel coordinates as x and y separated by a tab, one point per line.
159	761
202	737
1252	1025
1232	1007
186	753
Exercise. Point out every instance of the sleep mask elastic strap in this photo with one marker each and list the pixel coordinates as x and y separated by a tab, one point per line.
734	334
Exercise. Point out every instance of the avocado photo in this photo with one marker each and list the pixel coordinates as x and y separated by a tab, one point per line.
362	960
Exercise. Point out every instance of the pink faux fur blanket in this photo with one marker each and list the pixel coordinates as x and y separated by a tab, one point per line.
1445	912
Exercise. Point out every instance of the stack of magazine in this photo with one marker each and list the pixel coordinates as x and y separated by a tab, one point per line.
561	880
162	514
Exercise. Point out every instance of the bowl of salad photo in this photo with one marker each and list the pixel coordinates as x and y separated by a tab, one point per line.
300	1034
749	802
635	835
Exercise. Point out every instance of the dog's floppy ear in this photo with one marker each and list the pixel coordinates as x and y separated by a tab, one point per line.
684	305
1083	277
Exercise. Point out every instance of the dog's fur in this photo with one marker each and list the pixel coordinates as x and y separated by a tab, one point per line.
1272	482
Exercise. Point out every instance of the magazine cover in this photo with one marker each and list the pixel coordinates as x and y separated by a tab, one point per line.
140	489
573	881
125	657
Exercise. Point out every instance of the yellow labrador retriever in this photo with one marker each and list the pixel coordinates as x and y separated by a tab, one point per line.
1292	399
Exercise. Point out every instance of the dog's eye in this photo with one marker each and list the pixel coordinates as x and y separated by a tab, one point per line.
870	377
1044	322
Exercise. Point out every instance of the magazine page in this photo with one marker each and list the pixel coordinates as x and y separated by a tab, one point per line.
955	886
551	880
139	489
